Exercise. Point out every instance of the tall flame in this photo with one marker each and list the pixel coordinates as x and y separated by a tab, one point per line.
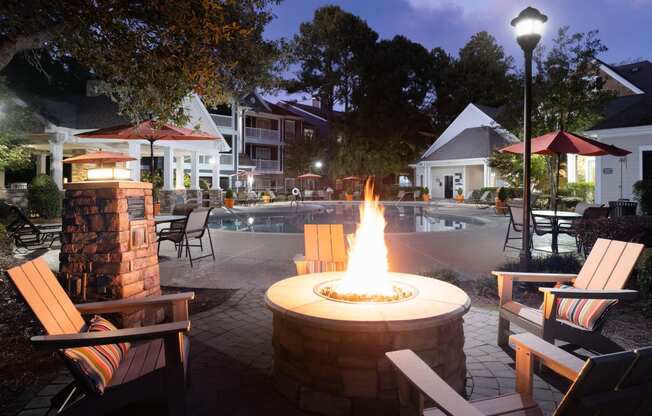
367	271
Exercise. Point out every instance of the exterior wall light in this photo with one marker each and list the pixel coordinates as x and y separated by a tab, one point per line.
108	174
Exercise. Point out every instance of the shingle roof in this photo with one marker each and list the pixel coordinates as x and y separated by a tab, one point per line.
490	111
638	73
471	143
629	111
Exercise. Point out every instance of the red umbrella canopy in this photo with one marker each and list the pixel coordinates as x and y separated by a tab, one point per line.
309	176
100	157
563	142
351	178
148	130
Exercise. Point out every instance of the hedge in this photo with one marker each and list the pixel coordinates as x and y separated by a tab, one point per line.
44	197
630	228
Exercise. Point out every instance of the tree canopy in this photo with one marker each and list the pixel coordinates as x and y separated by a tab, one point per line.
153	54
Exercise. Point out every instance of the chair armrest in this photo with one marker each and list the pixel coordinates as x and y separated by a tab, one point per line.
537	277
421	376
177	300
556	359
86	339
624	294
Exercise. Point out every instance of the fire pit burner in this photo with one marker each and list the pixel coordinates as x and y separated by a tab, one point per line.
402	292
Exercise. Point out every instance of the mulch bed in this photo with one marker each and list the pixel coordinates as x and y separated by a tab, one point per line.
25	370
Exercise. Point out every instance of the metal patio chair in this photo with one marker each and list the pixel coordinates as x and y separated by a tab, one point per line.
194	228
515	225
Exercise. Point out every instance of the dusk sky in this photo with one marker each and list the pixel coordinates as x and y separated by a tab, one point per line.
624	25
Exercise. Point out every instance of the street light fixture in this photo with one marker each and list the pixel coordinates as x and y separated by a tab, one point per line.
529	27
318	164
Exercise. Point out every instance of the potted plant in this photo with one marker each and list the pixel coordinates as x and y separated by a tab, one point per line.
501	201
348	196
266	198
459	197
229	201
425	194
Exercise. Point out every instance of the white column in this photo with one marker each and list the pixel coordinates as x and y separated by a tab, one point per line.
598	180
168	161
2	179
486	175
56	159
194	171
179	171
216	170
134	165
41	163
571	167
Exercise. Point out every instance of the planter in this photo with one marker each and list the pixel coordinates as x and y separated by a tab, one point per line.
348	197
501	207
267	199
459	199
425	197
157	208
229	202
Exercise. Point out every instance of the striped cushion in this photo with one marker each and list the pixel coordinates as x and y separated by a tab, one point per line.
582	312
97	364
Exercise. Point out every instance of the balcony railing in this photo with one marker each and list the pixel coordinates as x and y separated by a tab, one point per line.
267	165
222	121
254	134
226	159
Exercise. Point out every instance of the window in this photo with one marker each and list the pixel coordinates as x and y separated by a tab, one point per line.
205	159
187	159
264	123
308	134
264	153
290	127
646	161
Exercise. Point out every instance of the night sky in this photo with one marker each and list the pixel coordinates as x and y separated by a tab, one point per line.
625	25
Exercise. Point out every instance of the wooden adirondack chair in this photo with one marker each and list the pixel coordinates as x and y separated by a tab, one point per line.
325	250
156	365
603	276
612	384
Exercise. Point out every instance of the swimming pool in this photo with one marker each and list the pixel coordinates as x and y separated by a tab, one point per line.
400	219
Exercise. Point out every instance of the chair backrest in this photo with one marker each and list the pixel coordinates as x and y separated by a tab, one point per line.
582	206
515	214
197	222
611	384
324	244
485	196
595	212
45	296
609	265
20	220
401	195
181	209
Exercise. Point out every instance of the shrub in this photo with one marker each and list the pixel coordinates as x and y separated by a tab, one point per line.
503	194
556	263
585	191
629	228
228	194
446	275
644	279
643	195
425	191
264	193
5	241
460	191
203	185
44	197
487	287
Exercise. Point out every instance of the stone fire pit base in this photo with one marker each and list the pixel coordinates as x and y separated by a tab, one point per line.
338	367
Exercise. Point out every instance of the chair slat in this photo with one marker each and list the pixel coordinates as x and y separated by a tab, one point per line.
138	362
60	295
607	265
592	263
156	350
35	302
600	375
337	241
325	247
311	242
625	265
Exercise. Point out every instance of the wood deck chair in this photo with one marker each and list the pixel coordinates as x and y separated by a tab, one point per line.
612	384
155	367
603	276
325	250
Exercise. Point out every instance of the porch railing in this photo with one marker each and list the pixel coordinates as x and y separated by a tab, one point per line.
222	121
257	134
267	165
226	159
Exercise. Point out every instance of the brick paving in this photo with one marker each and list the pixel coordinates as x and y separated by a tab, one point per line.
231	362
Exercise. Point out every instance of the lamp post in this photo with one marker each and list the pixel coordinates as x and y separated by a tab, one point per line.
318	165
529	26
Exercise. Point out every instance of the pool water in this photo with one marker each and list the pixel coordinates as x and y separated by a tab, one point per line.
400	219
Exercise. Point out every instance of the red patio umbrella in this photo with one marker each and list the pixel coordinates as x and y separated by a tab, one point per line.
309	176
151	131
351	178
561	142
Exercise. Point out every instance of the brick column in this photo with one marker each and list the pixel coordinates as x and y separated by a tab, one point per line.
108	247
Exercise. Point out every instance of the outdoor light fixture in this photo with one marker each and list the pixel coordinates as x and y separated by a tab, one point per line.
529	27
107	174
318	164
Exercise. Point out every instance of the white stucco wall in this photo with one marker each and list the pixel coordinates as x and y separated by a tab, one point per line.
635	140
437	175
474	179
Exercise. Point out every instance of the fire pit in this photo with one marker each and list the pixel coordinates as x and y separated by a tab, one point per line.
331	330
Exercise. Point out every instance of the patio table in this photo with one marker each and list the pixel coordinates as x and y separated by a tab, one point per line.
162	219
555	217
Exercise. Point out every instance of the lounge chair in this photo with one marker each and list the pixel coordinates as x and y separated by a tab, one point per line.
603	276
613	384
194	228
28	235
325	250
484	201
156	366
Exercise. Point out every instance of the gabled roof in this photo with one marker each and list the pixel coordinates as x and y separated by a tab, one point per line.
638	73
629	111
472	143
260	105
490	111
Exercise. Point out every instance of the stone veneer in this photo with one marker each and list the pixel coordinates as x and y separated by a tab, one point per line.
105	254
341	373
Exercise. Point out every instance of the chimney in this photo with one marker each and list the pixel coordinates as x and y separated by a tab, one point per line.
316	102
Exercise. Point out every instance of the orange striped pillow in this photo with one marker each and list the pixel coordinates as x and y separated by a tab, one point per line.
97	364
582	312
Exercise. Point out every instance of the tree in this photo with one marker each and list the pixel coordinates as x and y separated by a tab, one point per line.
151	55
15	120
510	168
329	50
